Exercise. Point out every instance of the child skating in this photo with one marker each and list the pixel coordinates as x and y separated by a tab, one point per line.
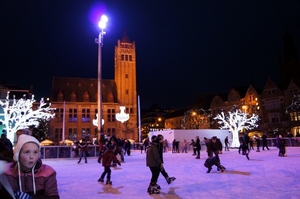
107	158
209	162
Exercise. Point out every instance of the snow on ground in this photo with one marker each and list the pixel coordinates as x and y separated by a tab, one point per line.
265	175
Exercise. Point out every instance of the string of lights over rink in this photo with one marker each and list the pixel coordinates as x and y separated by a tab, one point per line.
265	175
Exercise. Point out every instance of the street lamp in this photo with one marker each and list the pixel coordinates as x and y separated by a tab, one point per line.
99	41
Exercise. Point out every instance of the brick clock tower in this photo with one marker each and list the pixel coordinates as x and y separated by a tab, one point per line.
125	79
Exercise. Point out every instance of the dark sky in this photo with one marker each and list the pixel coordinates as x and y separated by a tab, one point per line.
183	47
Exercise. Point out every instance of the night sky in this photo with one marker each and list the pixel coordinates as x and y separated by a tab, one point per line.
183	47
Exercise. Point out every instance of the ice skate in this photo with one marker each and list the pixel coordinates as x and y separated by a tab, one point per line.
157	186
208	171
170	179
222	168
109	182
101	180
247	157
152	189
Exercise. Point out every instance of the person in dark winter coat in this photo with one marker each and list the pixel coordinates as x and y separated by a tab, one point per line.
281	146
83	148
245	149
214	147
246	139
226	144
107	158
154	162
127	147
198	147
209	162
160	139
264	142
257	140
193	143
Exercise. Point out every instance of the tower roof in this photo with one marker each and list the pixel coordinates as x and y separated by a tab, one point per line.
125	39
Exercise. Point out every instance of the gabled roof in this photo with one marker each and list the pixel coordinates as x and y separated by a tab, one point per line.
80	86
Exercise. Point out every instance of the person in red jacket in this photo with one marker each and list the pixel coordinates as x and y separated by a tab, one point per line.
107	158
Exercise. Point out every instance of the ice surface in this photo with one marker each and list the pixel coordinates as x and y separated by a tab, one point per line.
265	175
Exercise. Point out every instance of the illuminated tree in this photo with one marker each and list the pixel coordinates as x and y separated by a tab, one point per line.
236	121
196	119
20	114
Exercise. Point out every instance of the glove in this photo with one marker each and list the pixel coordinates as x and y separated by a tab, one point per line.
22	195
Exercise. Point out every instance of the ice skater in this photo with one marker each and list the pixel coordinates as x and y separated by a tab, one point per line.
245	149
210	161
107	158
153	161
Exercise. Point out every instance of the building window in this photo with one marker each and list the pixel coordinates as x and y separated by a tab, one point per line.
130	57
122	57
59	115
126	76
85	115
72	134
111	115
126	92
58	134
111	131
85	134
72	115
126	57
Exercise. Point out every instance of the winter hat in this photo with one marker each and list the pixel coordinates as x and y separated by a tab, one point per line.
153	138
160	137
23	139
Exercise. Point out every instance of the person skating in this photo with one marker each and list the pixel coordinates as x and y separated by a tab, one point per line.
107	158
226	144
198	147
210	161
245	149
264	142
193	145
160	139
257	140
153	161
83	147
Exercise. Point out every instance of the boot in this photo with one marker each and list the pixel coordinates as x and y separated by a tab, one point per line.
170	179
101	180
198	157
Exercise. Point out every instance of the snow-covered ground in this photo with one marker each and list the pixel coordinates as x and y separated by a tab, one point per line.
265	175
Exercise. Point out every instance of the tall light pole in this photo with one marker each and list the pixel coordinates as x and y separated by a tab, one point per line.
99	41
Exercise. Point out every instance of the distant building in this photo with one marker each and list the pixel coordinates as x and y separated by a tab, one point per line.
76	99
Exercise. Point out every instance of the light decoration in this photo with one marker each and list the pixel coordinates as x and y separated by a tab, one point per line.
122	116
20	115
95	121
295	104
236	121
196	119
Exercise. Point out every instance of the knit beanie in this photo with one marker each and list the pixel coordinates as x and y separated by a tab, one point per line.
23	139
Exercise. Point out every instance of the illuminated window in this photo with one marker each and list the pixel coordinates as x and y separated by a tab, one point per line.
72	115
85	115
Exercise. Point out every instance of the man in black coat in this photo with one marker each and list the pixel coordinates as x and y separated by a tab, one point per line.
198	147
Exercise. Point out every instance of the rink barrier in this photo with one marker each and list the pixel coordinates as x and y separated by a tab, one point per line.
93	150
